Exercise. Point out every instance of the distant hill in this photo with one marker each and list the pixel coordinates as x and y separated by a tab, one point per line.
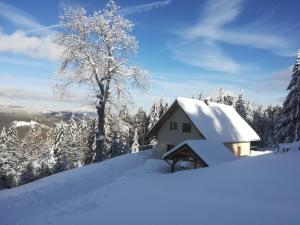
8	115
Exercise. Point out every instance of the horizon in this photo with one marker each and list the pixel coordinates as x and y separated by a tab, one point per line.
187	49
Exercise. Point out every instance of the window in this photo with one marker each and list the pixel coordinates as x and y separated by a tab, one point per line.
173	126
169	147
186	127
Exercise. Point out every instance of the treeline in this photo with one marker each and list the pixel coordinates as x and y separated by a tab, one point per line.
69	144
263	119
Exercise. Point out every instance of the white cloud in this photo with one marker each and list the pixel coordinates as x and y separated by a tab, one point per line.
22	20
38	44
218	14
17	16
144	7
217	25
206	55
36	47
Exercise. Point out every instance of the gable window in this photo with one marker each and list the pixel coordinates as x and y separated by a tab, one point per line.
186	127
173	125
169	147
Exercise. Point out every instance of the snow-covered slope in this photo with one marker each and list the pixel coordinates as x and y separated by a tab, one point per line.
134	189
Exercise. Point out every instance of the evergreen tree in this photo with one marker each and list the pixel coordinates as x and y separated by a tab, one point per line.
59	146
240	106
83	143
228	100
135	146
162	106
264	122
140	123
32	143
153	115
271	114
91	142
288	129
220	98
11	163
3	136
117	130
73	144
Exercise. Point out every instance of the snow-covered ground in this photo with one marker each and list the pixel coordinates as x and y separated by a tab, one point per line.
135	189
24	123
257	153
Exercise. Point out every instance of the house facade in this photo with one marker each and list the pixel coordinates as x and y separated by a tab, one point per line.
191	119
176	129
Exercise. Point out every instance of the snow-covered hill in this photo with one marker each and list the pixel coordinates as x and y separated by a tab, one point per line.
135	189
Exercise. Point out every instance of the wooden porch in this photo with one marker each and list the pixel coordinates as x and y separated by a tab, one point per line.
184	153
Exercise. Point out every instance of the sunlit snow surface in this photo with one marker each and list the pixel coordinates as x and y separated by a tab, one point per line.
24	123
217	121
137	190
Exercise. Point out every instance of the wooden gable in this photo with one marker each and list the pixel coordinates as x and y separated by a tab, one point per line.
175	106
185	153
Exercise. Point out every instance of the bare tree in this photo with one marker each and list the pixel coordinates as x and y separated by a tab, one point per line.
96	52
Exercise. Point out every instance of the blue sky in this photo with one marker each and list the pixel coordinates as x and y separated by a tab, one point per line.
188	47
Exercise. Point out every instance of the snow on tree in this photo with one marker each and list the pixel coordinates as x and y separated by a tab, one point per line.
12	141
140	122
32	143
162	106
220	98
273	114
59	146
117	133
3	136
86	153
224	98
228	99
91	143
264	121
242	107
153	115
135	146
77	142
157	110
12	160
288	129
121	129
73	129
96	52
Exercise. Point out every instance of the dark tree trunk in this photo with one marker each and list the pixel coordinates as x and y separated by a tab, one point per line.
102	99
100	133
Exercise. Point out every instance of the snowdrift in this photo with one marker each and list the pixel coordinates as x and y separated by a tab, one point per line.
135	189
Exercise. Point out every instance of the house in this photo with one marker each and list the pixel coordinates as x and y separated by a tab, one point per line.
191	119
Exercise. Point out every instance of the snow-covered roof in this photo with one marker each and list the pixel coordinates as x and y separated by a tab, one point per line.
217	121
212	153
